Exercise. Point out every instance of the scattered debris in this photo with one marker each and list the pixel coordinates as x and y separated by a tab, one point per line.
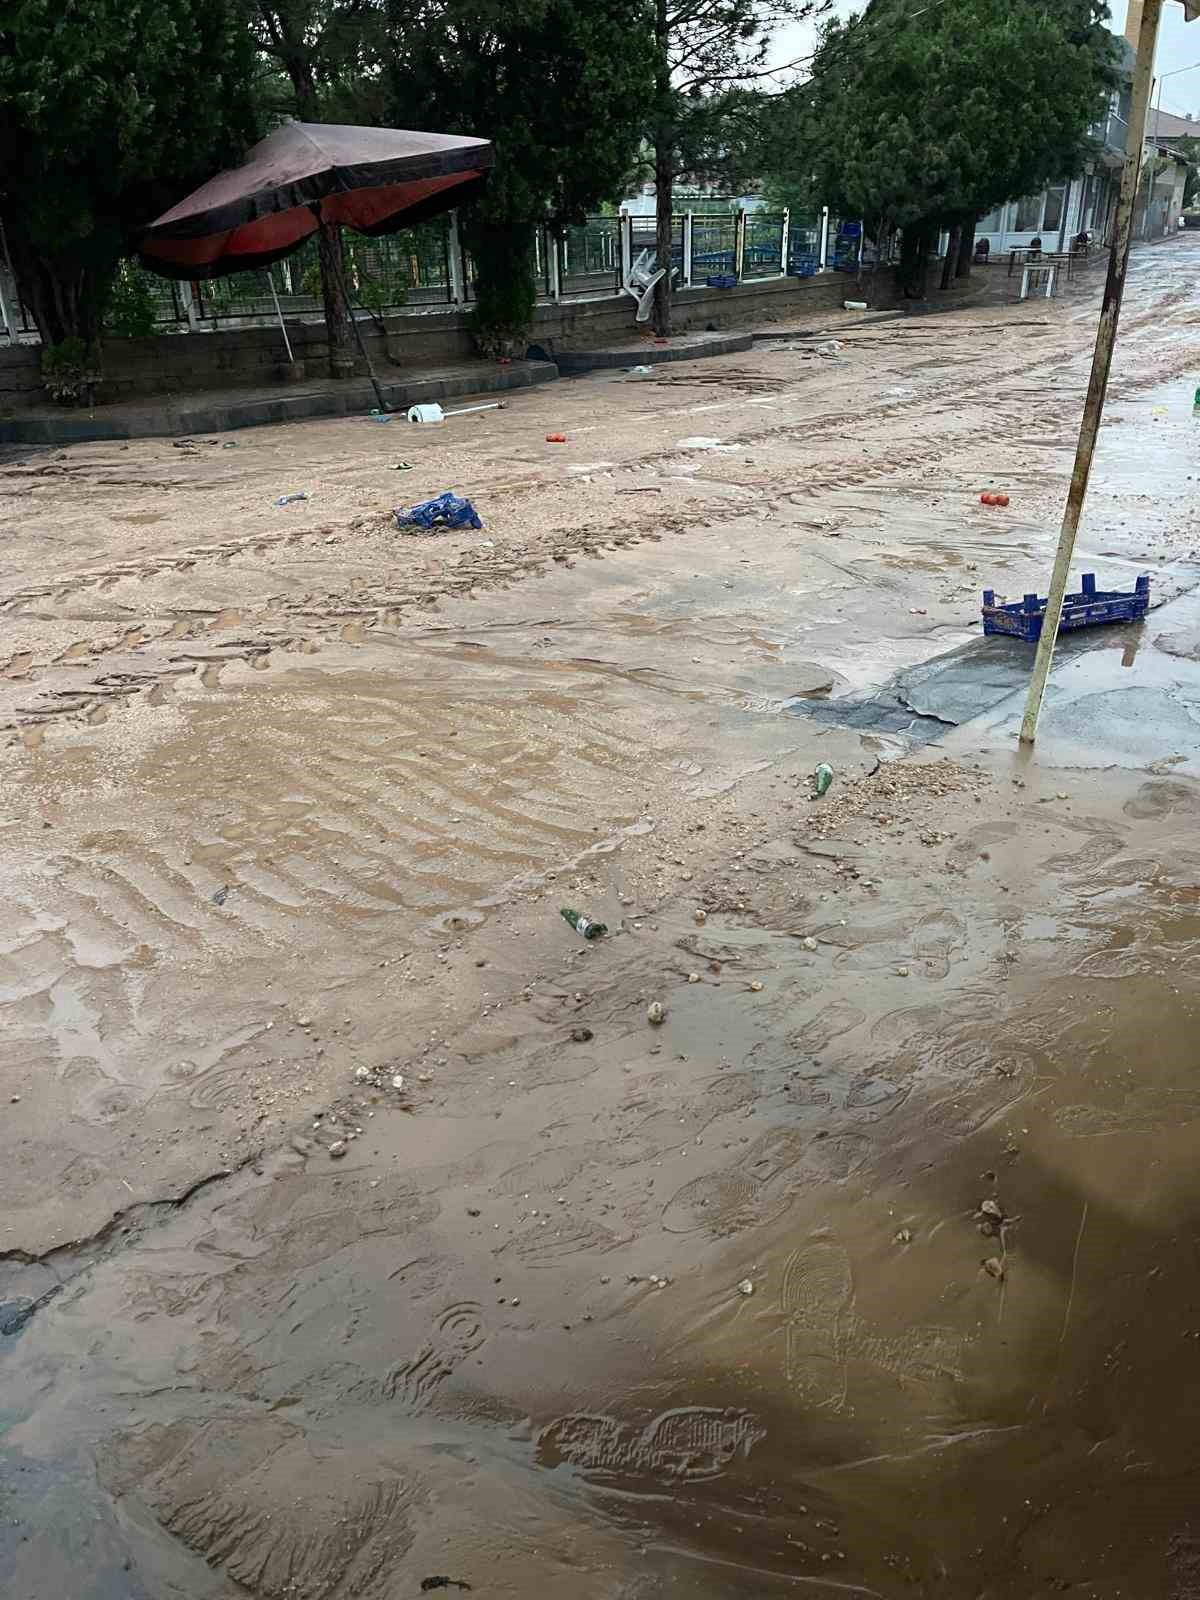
994	1267
640	371
381	416
398	1081
403	466
701	441
746	1286
902	1236
584	926
989	499
219	896
656	1013
822	778
693	977
290	499
756	986
855	305
556	438
338	1149
581	1035
444	1583
699	918
902	972
443	511
809	942
431	412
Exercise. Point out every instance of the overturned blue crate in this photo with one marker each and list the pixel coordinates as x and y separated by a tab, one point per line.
722	280
1090	608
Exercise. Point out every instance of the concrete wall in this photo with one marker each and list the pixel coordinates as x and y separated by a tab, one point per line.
182	363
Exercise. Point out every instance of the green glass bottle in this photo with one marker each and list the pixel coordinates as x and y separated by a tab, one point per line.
584	926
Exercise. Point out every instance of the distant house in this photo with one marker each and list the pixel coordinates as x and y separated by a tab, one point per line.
1087	203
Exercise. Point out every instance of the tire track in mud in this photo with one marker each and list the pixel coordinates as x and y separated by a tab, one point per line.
89	694
410	809
68	684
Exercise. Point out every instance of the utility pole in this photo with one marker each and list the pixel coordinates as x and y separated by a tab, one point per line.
1106	334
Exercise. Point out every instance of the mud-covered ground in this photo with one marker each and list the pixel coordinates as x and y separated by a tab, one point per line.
872	1268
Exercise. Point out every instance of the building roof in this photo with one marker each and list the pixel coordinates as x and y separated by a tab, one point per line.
1166	125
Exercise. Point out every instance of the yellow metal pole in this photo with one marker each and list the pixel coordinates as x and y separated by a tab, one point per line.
1106	334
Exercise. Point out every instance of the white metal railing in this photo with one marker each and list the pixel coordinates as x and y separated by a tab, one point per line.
427	270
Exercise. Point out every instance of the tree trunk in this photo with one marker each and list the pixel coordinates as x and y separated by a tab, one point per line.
966	248
950	265
916	242
62	297
333	293
664	170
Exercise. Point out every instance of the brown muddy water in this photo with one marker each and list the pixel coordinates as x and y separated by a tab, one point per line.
855	1283
872	1270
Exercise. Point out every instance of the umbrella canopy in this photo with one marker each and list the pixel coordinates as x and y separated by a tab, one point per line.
375	180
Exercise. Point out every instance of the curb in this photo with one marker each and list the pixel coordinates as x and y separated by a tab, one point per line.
571	361
351	399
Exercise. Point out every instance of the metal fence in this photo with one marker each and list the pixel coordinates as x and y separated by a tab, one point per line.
714	247
762	244
383	275
424	269
590	259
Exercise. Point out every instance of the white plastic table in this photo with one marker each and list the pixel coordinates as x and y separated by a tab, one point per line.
1030	269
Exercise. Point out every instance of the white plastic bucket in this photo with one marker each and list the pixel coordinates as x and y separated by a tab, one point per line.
430	412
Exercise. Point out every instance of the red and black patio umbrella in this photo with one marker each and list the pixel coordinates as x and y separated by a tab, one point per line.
305	174
375	180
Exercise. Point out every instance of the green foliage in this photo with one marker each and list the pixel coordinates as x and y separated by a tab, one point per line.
132	305
559	86
914	118
502	259
1189	149
704	121
68	368
110	110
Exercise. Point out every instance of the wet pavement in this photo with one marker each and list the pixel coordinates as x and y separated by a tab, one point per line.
871	1269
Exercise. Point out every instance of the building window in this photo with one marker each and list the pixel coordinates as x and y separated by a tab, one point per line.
991	223
1052	218
1029	214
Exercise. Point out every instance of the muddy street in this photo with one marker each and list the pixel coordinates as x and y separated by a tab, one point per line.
359	1226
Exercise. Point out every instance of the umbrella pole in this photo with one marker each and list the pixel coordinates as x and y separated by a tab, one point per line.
287	343
358	338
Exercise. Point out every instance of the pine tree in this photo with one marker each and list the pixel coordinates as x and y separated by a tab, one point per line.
705	51
559	86
927	118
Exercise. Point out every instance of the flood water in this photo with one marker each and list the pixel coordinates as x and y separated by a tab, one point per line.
362	1234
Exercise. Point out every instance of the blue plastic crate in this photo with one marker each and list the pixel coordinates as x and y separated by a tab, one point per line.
722	280
1090	608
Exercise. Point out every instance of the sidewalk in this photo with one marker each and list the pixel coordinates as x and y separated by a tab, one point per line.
220	410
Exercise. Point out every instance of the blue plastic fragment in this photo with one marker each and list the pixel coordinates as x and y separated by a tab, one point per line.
1022	619
444	511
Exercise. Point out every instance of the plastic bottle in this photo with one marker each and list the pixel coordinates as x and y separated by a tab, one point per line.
584	926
